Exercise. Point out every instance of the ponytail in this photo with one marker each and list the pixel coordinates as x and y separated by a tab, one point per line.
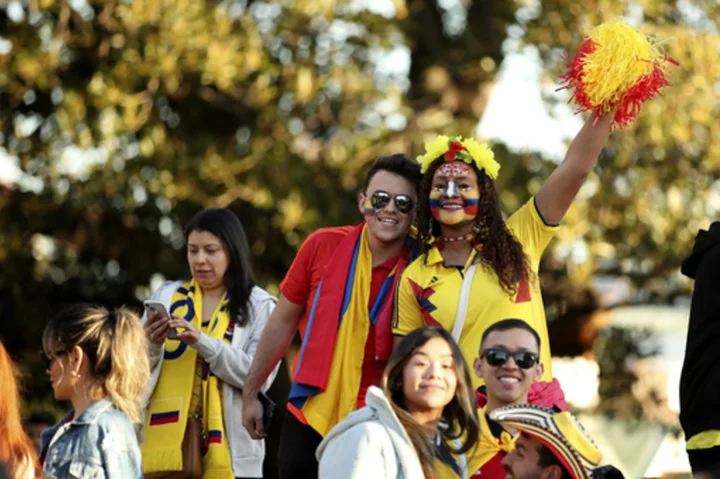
129	367
116	347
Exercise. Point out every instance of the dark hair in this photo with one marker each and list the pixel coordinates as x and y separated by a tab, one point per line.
500	251
398	164
239	278
507	324
41	417
460	414
546	458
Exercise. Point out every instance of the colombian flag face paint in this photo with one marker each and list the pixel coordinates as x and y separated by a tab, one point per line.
454	196
368	208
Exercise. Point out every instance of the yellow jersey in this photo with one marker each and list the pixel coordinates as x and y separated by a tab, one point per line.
429	292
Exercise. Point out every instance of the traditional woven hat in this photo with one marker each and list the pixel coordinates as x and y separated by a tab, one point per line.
558	431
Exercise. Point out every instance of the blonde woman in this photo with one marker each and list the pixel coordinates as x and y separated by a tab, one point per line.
97	360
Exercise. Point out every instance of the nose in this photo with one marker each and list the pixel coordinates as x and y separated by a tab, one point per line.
510	364
391	207
451	191
433	370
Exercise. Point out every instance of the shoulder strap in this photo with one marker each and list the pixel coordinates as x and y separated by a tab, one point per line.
463	302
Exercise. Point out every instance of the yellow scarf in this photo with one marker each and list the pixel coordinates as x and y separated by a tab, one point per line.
168	411
489	445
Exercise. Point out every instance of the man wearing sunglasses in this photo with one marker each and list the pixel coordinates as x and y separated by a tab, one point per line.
509	364
338	294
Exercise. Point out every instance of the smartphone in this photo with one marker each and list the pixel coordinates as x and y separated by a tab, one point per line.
157	306
269	408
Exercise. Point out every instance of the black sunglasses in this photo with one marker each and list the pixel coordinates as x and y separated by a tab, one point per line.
498	357
48	360
404	203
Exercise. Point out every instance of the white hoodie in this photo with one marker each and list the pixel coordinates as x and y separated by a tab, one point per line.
369	443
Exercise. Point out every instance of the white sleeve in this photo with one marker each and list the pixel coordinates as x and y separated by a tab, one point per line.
232	364
357	453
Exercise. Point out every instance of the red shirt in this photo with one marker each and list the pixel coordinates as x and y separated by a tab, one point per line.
301	283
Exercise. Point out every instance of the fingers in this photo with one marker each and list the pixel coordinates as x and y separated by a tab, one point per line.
180	323
152	318
190	333
259	429
253	418
156	332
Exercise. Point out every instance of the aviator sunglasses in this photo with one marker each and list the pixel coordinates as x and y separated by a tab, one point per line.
48	360
380	199
498	357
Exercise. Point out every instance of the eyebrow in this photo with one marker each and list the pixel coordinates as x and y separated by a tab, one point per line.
203	245
463	177
418	353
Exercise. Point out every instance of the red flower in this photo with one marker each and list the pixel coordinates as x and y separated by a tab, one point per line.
455	148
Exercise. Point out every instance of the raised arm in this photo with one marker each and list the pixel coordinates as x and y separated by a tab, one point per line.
560	189
273	345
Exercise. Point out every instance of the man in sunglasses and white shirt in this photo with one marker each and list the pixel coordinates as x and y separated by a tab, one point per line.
338	294
509	364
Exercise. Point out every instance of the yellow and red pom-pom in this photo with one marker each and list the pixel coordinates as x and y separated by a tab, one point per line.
616	69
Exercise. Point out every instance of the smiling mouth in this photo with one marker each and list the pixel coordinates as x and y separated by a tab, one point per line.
432	388
388	221
509	380
451	206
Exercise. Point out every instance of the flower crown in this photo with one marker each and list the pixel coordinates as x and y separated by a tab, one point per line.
455	148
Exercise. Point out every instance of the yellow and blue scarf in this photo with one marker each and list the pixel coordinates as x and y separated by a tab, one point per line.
329	368
170	402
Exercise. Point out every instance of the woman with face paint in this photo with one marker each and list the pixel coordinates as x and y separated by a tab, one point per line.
477	268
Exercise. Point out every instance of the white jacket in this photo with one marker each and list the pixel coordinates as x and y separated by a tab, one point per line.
369	443
230	363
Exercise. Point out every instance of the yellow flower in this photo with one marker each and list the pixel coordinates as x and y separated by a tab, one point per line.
481	154
433	150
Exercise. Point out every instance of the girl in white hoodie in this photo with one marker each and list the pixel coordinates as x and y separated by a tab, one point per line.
401	431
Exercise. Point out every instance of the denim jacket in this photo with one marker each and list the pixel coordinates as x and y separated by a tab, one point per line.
101	443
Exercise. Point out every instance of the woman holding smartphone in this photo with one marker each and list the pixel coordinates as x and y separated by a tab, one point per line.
201	346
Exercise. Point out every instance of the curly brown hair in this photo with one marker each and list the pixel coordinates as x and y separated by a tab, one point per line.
499	248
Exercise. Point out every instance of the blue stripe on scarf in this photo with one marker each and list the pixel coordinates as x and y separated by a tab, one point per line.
311	319
299	393
380	299
349	282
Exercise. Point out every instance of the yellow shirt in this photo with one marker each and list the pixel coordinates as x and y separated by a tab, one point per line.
429	292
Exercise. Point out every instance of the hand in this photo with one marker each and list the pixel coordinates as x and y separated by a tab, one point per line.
252	416
156	328
191	333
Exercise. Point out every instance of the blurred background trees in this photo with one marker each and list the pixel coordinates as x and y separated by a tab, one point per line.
119	120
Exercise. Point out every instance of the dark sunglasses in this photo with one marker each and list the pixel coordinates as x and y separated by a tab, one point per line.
498	357
48	360
404	203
